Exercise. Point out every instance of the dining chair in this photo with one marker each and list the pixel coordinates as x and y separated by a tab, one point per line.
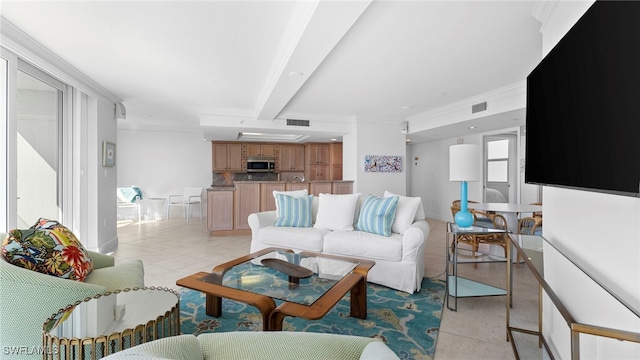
531	225
499	222
190	196
537	213
487	220
468	239
455	207
457	202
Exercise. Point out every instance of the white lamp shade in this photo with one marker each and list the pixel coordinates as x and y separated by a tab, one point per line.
465	161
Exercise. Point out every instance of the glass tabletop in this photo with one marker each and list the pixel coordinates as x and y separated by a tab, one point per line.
473	230
318	274
464	252
111	312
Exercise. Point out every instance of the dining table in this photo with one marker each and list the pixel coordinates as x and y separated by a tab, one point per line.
512	212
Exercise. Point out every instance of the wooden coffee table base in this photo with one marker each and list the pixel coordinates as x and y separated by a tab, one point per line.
215	293
354	282
272	316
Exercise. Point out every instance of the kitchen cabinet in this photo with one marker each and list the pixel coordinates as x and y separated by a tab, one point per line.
335	166
297	186
292	158
335	172
317	154
323	161
342	187
335	153
247	201
226	157
318	172
263	150
267	201
220	210
321	187
228	209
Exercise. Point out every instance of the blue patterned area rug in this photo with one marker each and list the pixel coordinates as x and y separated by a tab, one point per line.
408	324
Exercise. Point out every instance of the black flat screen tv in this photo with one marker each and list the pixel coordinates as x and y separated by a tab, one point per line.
583	105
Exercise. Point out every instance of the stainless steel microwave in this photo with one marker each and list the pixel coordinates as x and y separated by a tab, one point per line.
261	164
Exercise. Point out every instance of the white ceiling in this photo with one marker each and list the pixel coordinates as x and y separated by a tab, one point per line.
220	67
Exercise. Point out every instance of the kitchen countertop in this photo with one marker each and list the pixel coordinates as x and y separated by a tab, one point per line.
232	187
291	182
222	188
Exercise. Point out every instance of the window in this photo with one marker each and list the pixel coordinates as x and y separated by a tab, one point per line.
498	161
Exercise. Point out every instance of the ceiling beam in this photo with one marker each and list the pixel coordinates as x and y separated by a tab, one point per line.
313	43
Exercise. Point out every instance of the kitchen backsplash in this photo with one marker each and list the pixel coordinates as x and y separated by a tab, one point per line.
227	179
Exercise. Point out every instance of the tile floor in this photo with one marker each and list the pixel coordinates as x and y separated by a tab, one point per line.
173	249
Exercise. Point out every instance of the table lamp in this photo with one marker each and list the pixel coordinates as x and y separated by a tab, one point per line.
464	165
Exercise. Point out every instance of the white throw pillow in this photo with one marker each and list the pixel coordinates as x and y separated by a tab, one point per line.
405	213
336	212
293	193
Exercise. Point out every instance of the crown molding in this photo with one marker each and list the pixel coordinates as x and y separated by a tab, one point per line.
500	100
28	49
543	10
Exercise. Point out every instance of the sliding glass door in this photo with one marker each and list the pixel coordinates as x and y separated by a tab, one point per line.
4	148
39	101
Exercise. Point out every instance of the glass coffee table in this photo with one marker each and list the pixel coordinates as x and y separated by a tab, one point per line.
307	284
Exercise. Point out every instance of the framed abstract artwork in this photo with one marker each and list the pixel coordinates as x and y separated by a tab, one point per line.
383	163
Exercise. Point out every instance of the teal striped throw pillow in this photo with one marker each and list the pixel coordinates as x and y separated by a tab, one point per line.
377	214
294	211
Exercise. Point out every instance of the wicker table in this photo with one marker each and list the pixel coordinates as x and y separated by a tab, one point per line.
106	323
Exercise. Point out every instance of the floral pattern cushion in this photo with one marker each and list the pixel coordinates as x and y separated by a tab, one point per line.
49	248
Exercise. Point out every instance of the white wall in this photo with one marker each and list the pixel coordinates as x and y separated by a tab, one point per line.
373	138
600	232
102	183
528	193
163	163
430	177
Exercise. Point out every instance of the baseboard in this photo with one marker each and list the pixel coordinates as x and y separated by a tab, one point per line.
230	232
438	217
109	246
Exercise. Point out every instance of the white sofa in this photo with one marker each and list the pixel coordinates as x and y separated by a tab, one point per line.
399	257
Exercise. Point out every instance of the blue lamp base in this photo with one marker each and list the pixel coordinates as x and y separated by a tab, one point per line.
463	218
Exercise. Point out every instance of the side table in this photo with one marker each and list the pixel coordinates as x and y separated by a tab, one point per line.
106	323
459	287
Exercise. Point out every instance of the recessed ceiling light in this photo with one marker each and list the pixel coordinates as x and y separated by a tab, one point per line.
407	107
472	127
334	139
